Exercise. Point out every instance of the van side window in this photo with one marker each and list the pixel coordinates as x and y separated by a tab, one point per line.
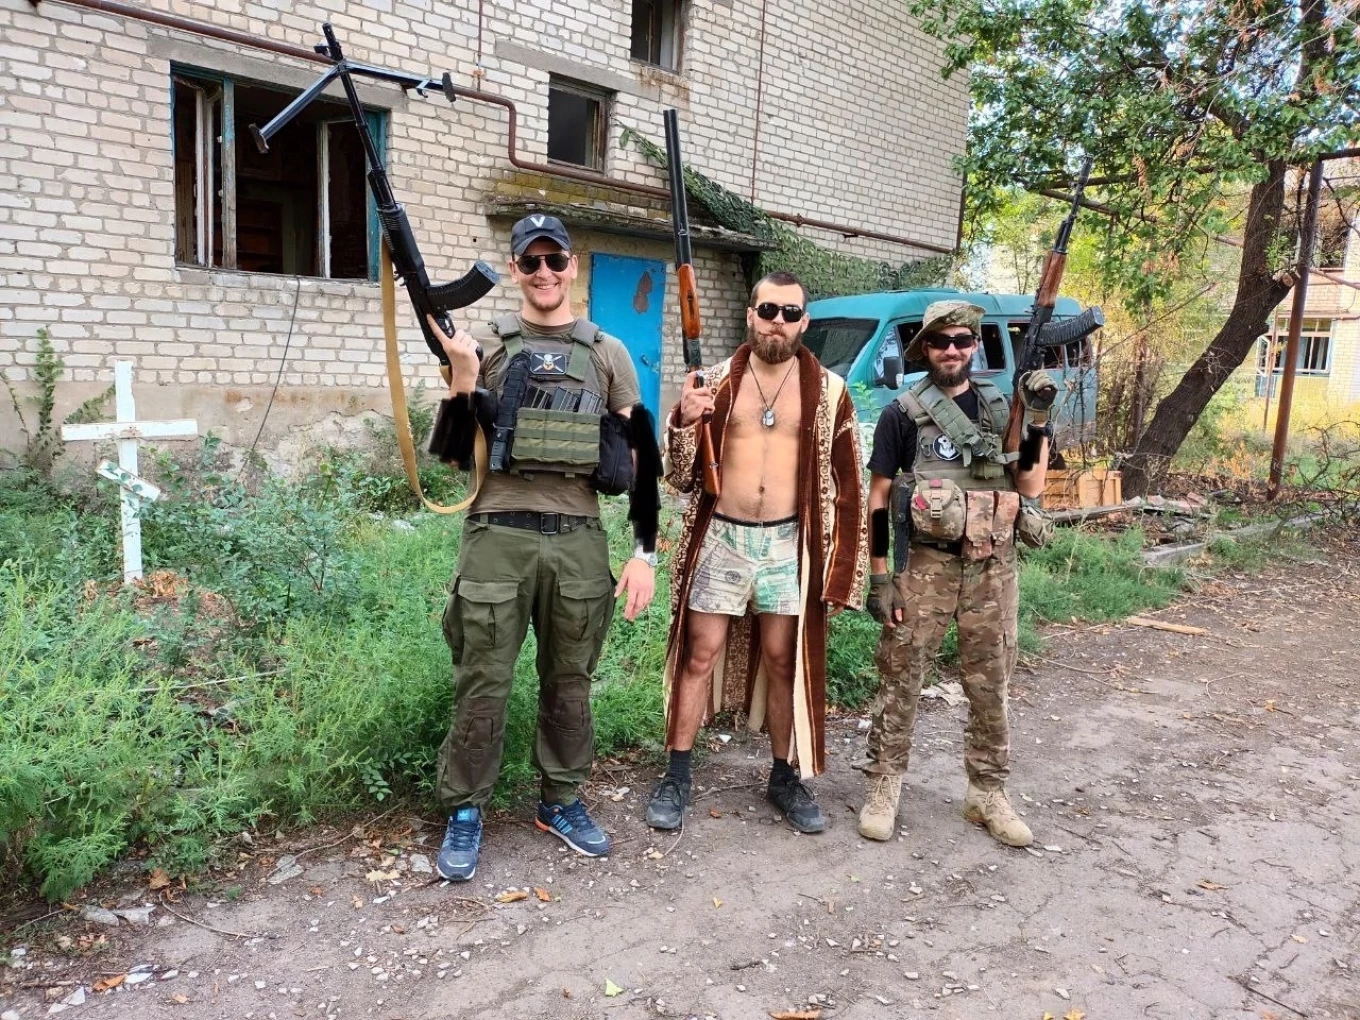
991	356
1079	353
905	332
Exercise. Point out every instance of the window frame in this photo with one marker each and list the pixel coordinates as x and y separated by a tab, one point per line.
205	199
1310	332
598	144
658	41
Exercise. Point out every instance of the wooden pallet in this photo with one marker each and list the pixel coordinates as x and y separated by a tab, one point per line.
1081	489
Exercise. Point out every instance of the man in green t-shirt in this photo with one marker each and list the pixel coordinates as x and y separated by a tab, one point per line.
547	388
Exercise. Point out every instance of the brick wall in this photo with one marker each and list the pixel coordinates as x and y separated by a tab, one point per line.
856	127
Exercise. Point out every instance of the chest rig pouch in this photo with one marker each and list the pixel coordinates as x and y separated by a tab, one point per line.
957	489
947	434
562	423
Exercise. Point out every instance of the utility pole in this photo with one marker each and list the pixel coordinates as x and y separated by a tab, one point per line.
1307	233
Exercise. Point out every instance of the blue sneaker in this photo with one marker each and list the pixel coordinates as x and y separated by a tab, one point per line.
571	824
462	840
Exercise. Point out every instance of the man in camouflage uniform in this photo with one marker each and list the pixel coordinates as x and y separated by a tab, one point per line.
533	548
959	499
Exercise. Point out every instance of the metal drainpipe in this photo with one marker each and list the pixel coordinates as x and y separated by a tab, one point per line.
760	95
239	38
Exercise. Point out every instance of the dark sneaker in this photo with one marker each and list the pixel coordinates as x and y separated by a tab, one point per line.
666	809
462	840
795	801
571	824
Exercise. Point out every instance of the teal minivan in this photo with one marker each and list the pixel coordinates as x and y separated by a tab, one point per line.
854	337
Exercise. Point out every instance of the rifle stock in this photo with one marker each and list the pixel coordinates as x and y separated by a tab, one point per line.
689	297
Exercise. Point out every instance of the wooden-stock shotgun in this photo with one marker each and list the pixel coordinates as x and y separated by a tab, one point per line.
689	296
1030	357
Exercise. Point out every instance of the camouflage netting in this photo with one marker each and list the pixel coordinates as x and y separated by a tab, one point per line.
825	273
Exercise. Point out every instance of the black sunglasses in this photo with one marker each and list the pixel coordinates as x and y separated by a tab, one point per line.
937	342
767	310
557	262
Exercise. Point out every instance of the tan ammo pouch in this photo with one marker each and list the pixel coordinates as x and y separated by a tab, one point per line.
1034	527
990	523
937	510
563	442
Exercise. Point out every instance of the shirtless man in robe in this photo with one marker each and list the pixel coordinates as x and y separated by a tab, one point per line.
748	554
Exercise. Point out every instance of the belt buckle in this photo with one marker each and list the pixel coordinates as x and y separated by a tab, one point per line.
556	523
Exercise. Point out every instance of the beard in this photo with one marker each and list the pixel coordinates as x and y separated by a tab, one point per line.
774	349
945	377
546	303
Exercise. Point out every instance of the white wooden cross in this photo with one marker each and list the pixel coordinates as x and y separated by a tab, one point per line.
133	489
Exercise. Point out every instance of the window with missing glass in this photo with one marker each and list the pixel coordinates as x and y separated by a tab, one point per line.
656	32
578	117
301	209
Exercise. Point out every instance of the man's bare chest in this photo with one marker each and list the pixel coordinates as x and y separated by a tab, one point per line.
765	410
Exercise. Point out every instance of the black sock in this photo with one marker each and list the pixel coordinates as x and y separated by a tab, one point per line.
679	766
782	770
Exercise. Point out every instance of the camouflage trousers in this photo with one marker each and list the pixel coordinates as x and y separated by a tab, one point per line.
983	597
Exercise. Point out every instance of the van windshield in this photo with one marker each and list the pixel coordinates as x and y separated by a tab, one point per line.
837	341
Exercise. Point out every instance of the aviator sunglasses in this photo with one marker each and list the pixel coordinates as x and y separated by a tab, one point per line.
942	343
557	262
767	310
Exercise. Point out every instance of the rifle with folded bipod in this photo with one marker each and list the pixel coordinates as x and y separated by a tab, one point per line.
429	299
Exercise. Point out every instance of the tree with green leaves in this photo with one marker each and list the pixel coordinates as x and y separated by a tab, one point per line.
1187	108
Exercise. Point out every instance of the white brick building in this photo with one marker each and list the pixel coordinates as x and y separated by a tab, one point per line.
128	229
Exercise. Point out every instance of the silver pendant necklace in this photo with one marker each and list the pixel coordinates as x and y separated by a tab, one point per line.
767	418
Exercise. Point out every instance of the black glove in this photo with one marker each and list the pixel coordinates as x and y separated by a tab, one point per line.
1038	391
882	598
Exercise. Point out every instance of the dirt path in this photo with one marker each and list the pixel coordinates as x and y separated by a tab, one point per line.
1195	804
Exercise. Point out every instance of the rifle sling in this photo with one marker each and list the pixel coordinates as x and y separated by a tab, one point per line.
398	389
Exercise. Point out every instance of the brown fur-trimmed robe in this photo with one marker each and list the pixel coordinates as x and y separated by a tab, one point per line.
833	551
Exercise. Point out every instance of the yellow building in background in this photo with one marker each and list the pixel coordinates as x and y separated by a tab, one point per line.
1327	386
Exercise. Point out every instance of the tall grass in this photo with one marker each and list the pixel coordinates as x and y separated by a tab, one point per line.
302	672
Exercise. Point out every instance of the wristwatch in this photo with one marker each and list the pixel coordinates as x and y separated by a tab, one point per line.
648	558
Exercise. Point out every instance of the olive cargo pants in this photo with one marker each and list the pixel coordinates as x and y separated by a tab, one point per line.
508	578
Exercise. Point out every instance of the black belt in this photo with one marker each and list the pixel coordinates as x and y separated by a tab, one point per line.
954	548
793	519
532	520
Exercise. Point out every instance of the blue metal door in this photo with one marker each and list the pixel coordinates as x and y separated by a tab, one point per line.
626	297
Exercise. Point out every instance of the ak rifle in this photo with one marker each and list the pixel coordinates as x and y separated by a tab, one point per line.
429	299
1039	333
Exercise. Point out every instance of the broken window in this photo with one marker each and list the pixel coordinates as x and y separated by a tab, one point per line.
656	32
300	209
578	117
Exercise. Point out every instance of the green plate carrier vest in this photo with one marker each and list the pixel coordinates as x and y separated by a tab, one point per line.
565	442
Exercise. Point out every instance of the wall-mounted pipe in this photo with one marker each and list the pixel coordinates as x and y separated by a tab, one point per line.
231	35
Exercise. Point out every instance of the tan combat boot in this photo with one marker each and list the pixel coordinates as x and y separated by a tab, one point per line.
878	817
992	809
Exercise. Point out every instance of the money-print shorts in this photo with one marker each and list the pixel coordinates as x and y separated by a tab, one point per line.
747	564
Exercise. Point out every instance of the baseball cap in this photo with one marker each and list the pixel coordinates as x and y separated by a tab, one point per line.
534	227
